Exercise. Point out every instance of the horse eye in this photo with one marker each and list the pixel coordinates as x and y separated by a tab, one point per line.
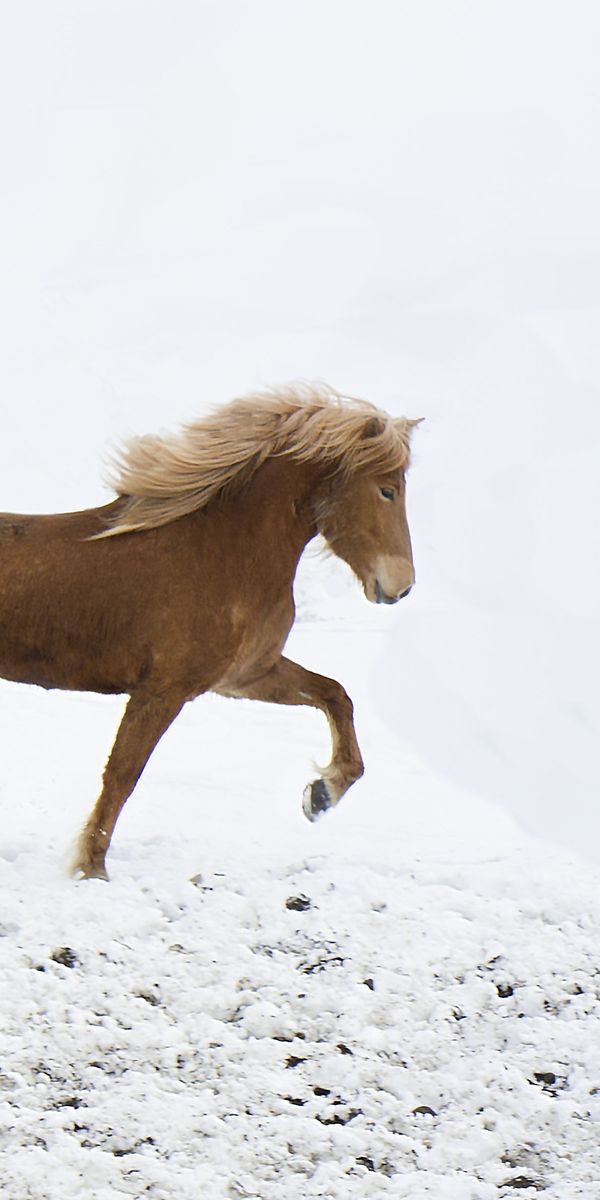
387	493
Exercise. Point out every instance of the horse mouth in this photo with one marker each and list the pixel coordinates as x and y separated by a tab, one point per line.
382	597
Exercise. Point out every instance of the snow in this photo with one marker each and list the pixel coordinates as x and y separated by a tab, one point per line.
403	999
376	1044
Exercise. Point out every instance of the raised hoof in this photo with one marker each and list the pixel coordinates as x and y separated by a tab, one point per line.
316	799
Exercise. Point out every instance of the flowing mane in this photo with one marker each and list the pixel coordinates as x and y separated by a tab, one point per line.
161	478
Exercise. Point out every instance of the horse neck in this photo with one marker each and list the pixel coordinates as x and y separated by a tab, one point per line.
279	505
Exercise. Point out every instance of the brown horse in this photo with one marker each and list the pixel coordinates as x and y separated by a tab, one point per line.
184	583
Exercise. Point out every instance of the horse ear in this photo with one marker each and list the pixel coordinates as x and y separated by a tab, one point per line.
373	427
410	422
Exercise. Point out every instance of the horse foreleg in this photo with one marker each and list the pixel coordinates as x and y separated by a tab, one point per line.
143	724
289	683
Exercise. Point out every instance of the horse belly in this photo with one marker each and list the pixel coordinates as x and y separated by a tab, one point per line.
60	655
66	637
111	637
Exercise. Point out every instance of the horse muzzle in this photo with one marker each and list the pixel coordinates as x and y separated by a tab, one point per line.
382	597
391	580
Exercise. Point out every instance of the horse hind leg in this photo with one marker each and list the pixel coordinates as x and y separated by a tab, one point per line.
289	683
143	724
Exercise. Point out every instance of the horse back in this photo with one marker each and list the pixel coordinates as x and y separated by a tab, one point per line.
184	606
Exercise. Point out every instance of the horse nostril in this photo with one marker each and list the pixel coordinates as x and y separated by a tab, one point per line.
382	597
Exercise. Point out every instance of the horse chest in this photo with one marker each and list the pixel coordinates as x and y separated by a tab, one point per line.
260	635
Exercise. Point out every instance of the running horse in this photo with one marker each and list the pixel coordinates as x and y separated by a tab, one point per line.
183	584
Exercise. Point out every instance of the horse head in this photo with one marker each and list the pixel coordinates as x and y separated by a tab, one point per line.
363	520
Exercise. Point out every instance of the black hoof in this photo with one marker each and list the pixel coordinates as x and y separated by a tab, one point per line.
316	799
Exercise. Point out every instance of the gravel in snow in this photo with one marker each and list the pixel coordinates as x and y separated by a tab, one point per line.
309	1029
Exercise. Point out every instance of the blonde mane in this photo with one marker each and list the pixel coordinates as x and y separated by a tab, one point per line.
163	478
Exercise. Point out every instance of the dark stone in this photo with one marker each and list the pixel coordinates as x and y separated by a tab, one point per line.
505	990
546	1078
522	1181
339	1118
299	903
150	998
124	1151
322	963
65	956
364	1161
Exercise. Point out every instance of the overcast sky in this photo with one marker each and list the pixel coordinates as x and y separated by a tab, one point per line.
400	198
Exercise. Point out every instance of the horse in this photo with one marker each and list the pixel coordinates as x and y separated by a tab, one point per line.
183	584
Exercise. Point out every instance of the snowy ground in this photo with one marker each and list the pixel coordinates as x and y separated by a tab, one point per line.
403	1000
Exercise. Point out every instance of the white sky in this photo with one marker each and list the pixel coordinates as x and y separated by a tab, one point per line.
401	198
